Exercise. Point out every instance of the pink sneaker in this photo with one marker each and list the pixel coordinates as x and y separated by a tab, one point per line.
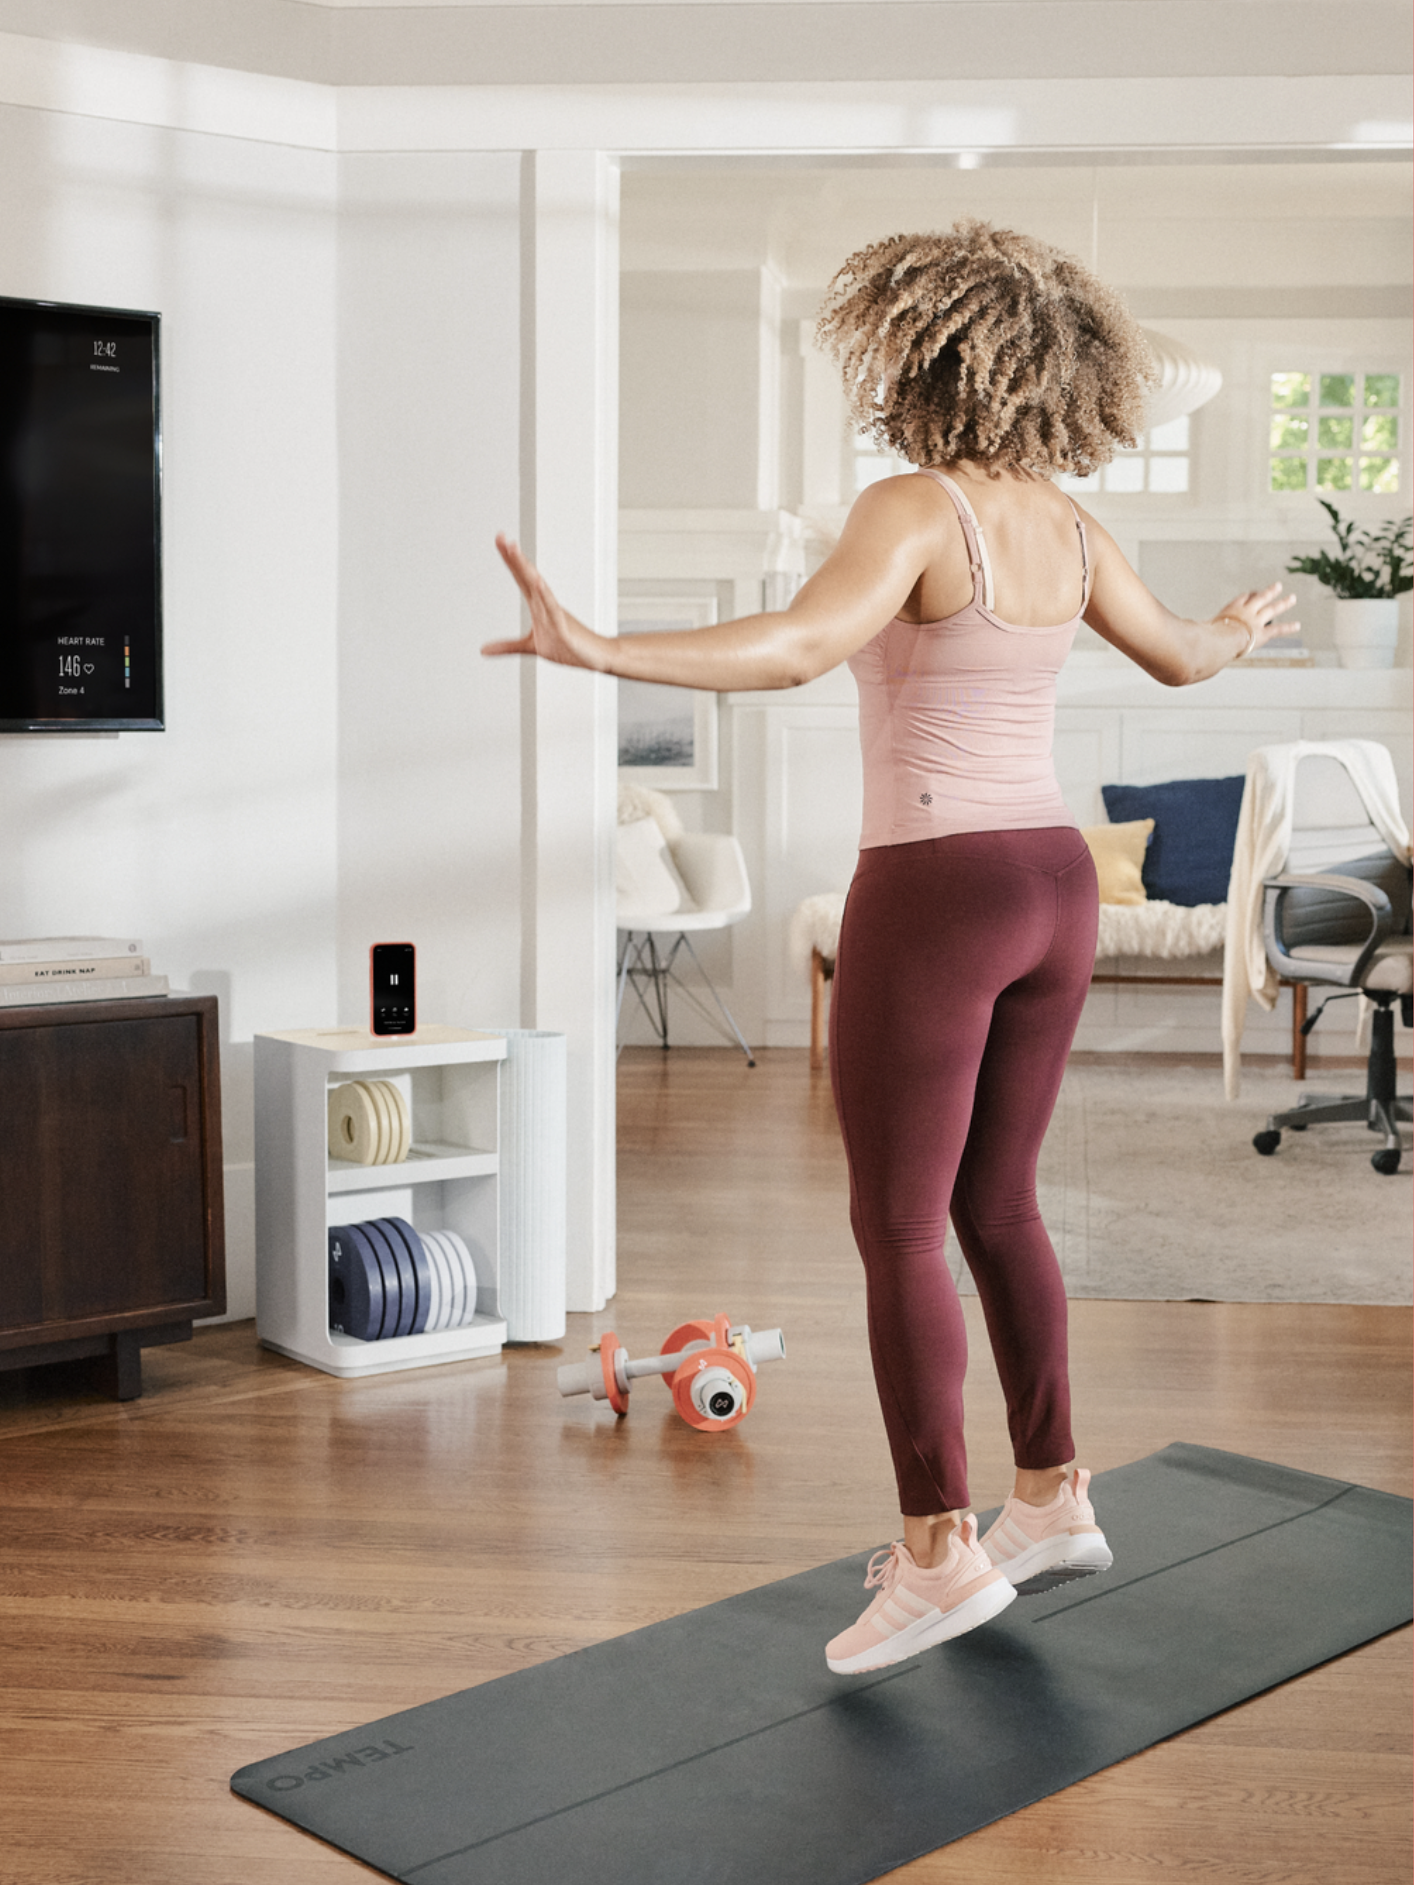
1037	1547
916	1608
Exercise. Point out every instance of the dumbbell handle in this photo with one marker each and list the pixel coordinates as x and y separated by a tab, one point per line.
588	1377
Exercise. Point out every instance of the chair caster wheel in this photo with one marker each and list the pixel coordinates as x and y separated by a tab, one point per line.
1385	1161
1267	1142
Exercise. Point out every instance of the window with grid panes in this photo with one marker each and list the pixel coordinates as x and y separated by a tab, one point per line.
1158	463
1334	432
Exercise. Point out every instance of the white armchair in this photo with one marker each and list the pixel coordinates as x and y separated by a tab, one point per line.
672	885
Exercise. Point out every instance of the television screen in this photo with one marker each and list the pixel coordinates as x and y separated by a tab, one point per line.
80	519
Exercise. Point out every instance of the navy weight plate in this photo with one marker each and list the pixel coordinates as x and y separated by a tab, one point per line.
422	1270
393	1251
382	1261
355	1285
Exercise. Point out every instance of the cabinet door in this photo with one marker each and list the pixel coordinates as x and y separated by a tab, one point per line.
21	1200
123	1181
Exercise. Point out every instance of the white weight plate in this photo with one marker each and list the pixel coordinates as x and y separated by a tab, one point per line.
402	1120
468	1270
464	1285
373	1089
353	1124
449	1285
437	1283
457	1293
456	1288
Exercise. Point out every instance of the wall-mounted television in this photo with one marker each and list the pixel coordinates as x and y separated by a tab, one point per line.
80	519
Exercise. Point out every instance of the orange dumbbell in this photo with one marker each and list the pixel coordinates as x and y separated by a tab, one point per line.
709	1367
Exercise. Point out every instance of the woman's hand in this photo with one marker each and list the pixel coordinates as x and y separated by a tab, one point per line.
555	635
1173	649
1256	611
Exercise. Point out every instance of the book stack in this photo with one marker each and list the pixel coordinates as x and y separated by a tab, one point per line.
75	968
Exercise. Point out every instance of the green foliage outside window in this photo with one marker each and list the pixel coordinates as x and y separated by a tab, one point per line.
1291	389
1334	453
1332	474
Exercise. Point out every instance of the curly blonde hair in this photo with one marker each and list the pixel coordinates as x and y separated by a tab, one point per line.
984	344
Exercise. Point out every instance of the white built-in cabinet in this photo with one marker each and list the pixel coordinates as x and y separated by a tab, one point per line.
449	1181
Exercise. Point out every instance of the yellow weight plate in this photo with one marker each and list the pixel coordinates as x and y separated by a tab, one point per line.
353	1124
383	1114
402	1121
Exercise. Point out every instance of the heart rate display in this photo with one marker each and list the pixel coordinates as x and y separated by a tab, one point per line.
80	566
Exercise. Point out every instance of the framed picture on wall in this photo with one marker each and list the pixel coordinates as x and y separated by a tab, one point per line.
667	735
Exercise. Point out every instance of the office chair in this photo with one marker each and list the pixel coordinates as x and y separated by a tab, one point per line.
1338	916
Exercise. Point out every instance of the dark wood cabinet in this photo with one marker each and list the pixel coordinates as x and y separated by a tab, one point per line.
111	1215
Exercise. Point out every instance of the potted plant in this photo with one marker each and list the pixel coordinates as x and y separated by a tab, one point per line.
1374	568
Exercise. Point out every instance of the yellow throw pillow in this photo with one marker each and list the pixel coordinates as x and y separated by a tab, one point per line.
1118	851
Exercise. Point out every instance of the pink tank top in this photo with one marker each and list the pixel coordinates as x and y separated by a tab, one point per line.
957	718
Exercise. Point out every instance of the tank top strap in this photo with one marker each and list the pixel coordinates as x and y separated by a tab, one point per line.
973	534
1084	557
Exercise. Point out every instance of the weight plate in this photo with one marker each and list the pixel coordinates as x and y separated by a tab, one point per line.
381	1113
390	1247
376	1265
421	1269
436	1291
468	1270
353	1124
463	1286
449	1287
402	1121
355	1287
456	1305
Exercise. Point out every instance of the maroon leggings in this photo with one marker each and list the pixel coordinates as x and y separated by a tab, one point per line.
962	969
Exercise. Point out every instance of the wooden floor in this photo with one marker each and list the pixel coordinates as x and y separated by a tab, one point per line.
256	1555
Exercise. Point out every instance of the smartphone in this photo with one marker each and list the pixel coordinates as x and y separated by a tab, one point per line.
392	988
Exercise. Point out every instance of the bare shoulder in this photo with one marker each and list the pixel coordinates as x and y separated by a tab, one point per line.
905	507
1096	535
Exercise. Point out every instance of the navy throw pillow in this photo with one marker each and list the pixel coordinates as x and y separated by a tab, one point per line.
1189	858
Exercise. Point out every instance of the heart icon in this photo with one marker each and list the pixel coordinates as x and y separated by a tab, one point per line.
88	667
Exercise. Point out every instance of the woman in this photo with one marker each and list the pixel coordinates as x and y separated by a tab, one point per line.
994	363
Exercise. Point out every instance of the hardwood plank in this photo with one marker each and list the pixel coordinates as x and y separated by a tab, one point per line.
255	1555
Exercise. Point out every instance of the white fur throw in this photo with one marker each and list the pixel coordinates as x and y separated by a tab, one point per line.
815	925
1166	930
637	801
1162	930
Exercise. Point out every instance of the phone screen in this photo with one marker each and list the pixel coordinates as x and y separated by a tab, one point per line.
393	988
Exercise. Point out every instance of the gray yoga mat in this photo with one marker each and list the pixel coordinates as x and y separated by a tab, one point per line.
717	1749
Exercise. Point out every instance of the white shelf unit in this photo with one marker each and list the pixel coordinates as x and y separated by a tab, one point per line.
450	1078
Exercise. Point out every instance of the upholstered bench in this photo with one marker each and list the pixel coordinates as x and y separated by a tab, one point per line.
1176	838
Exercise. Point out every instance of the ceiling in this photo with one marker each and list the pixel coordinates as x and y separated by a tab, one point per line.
587	42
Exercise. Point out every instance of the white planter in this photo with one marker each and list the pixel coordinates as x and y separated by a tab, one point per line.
1366	632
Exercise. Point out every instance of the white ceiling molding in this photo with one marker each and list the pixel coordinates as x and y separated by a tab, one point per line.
1184	117
1186	381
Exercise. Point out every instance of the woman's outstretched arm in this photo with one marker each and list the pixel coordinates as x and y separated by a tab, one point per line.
894	531
1168	646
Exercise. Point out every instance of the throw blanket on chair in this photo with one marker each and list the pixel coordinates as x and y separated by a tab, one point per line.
1263	840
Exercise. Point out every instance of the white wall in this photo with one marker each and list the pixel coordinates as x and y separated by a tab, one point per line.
214	840
429	734
699	353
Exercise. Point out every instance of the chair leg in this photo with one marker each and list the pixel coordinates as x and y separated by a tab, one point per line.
641	962
1298	1039
817	1011
684	940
